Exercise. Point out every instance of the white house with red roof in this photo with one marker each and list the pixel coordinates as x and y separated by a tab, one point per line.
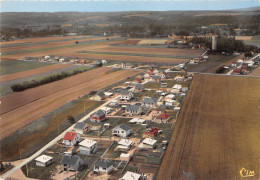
71	138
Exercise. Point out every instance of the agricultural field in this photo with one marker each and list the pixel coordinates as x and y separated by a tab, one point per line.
26	73
255	41
214	62
217	132
21	108
256	72
15	66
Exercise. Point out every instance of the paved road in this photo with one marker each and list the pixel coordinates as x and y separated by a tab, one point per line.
39	152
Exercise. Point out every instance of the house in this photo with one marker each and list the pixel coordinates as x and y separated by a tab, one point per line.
124	144
99	96
139	87
121	130
107	110
169	102
176	109
169	97
177	86
113	103
108	94
163	75
163	118
149	102
179	78
71	163
98	116
131	176
147	76
155	71
43	160
185	89
164	85
156	78
153	131
71	138
137	121
126	95
148	143
125	157
133	109
81	127
104	61
103	166
88	147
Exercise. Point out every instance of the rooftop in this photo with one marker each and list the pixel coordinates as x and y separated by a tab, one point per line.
43	158
87	143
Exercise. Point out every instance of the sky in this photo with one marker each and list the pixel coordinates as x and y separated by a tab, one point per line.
121	5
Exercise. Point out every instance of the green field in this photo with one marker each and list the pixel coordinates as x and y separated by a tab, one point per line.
9	67
255	41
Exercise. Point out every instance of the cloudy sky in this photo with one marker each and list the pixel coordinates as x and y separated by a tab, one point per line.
122	5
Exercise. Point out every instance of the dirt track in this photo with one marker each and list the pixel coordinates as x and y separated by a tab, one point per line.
217	132
23	108
10	77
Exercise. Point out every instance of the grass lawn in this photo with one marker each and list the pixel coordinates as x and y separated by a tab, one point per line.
9	67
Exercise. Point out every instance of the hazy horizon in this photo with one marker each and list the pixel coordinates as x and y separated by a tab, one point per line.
123	5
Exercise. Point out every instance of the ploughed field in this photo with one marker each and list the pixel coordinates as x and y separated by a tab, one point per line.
217	133
96	49
21	108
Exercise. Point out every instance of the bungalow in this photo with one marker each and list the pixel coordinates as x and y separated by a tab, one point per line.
149	102
103	166
126	95
133	109
98	116
147	76
121	130
88	147
71	138
148	143
163	118
163	75
71	163
99	96
139	87
177	86
169	102
43	160
179	78
155	71
131	176
81	127
156	78
107	110
124	144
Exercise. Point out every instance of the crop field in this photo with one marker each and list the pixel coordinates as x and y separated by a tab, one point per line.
217	133
12	66
256	72
21	108
103	50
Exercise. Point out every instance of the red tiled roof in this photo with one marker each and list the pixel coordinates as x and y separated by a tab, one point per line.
69	136
163	116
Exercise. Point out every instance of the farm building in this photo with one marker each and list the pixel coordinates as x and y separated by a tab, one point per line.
71	138
88	147
139	87
124	144
43	160
133	109
98	116
121	130
99	96
81	127
148	143
149	102
131	176
163	118
71	163
103	166
126	95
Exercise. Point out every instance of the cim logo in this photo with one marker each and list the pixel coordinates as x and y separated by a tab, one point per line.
246	173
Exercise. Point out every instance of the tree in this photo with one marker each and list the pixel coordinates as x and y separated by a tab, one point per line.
71	119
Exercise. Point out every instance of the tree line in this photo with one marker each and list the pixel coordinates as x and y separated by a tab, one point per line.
34	83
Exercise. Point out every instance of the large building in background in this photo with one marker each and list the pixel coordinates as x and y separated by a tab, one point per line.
214	43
